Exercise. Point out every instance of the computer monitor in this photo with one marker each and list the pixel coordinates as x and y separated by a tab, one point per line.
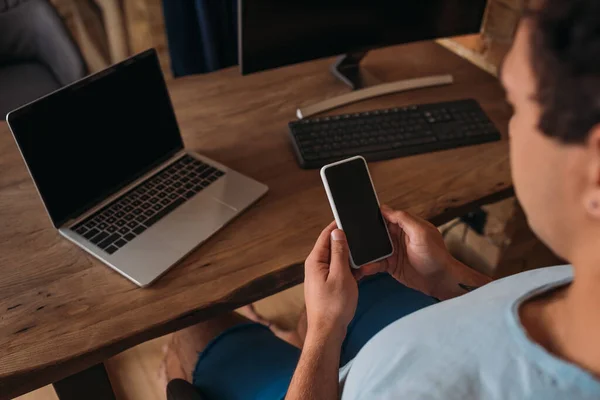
275	33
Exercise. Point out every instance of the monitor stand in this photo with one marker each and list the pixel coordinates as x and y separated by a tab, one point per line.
365	86
347	69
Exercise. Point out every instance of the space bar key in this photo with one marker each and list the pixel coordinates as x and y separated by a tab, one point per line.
159	215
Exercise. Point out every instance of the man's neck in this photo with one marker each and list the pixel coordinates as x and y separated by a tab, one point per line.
567	321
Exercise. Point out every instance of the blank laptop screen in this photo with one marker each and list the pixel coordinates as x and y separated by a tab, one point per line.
87	141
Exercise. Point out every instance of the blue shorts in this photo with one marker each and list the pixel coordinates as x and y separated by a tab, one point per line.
249	362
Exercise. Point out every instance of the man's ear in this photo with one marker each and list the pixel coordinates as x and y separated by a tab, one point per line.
592	194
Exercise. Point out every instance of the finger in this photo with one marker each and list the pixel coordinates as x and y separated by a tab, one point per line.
320	252
339	264
372	269
408	222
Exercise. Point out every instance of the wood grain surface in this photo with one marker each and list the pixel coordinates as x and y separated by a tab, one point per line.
62	311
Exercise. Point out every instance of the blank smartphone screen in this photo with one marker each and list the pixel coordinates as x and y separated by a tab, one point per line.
358	211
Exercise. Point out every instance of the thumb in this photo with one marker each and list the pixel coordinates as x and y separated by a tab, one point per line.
339	253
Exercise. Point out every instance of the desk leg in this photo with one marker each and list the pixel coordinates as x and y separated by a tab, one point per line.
90	384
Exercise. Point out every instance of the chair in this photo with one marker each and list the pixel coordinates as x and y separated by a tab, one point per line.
37	52
178	389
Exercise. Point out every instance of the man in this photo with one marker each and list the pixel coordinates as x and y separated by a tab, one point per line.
535	335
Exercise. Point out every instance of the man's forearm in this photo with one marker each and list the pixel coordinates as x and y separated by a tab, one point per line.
459	279
317	374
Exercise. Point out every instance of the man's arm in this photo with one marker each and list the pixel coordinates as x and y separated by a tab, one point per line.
317	373
458	280
331	295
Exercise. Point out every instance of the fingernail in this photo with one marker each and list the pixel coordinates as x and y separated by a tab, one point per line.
337	234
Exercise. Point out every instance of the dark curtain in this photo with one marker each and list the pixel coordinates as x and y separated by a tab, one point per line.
202	35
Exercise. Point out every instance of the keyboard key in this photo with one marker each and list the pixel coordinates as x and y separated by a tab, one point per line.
91	233
160	187
154	200
173	196
219	173
102	225
206	172
111	220
117	207
205	183
108	213
129	217
100	218
185	179
140	218
159	215
169	189
81	230
167	182
152	192
146	206
139	230
111	229
120	222
124	230
99	237
161	195
129	237
188	186
149	213
120	214
144	197
137	211
108	241
132	224
195	181
111	249
181	191
164	202
91	224
177	184
120	243
189	194
202	168
157	207
212	178
127	208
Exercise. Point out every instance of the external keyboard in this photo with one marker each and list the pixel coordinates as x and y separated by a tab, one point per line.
391	133
124	219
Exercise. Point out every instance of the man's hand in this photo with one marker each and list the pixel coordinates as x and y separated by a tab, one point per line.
421	260
330	289
420	256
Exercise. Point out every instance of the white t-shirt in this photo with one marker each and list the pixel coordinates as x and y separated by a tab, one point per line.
470	347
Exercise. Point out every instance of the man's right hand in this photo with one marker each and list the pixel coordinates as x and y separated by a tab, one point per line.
421	260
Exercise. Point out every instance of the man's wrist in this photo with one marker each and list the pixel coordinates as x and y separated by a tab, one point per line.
325	333
444	281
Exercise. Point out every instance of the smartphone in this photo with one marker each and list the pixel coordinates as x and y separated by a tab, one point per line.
356	210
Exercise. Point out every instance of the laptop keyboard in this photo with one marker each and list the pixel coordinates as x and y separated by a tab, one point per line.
124	219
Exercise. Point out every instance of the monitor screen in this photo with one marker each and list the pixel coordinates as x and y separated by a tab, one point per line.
88	140
276	32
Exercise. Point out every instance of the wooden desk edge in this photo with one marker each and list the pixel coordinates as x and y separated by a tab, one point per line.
257	289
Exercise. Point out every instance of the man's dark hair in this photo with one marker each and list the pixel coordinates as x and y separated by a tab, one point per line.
565	44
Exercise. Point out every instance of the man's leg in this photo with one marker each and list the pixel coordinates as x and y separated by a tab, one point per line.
230	348
181	354
381	301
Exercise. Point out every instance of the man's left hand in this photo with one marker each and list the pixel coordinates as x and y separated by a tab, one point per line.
330	289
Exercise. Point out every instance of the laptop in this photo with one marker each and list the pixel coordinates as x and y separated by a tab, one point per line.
109	163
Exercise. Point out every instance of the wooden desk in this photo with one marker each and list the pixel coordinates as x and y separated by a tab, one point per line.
61	311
